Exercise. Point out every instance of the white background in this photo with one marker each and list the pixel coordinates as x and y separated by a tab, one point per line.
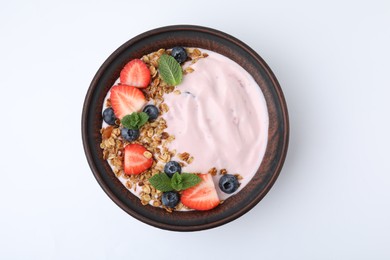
332	199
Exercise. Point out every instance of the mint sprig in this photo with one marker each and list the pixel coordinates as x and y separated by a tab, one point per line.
178	182
170	70
161	181
135	120
187	180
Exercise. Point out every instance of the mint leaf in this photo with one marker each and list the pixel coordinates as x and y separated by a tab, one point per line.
135	117
130	121
143	118
189	180
161	181
176	182
135	120
170	70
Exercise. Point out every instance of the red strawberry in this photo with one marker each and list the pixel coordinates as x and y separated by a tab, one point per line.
202	196
136	74
126	100
135	160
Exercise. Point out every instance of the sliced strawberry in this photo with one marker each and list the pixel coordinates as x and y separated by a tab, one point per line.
202	196
136	74
126	100
135	160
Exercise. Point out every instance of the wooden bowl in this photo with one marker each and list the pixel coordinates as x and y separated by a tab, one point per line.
206	38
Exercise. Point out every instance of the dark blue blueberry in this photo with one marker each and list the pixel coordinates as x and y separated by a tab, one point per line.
152	112
228	183
109	116
130	134
170	199
171	167
179	53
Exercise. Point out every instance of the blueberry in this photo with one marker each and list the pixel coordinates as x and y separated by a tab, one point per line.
170	199
130	134
179	53
109	116
228	183
152	112
171	167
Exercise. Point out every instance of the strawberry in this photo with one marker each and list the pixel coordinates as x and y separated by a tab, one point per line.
135	160
136	74
126	100
202	196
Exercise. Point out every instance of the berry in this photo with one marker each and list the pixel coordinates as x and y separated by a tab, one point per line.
228	183
170	199
135	74
109	116
130	134
152	112
125	100
179	53
202	196
171	167
135	161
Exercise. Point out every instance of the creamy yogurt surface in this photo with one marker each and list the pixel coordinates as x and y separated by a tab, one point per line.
220	118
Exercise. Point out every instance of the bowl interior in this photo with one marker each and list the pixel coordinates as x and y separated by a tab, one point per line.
190	36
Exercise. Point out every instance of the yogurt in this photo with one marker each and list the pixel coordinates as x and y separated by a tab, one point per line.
220	118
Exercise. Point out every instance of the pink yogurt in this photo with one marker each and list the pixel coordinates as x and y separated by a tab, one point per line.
220	118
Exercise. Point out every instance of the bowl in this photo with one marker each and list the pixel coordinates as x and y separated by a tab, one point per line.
210	39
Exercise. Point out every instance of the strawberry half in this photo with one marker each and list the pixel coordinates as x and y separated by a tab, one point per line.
135	160
202	196
136	74
126	100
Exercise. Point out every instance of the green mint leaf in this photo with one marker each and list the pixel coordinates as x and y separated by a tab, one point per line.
130	121
161	181
135	117
170	70
135	120
176	182
189	180
143	118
